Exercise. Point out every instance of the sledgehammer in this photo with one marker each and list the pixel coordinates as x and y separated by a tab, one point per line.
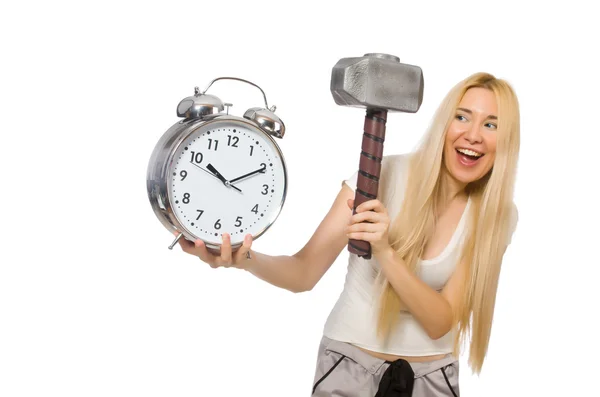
379	83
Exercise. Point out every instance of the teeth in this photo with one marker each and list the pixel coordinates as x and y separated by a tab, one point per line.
469	152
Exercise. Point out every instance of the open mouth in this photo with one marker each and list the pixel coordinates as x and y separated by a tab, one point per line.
468	157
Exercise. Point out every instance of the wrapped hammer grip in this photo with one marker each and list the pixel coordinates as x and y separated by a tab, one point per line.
367	185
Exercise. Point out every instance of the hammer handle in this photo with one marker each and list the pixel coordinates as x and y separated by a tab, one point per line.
367	185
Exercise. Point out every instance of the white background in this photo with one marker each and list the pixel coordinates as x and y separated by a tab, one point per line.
92	303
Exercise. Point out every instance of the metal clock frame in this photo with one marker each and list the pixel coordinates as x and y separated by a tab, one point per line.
158	174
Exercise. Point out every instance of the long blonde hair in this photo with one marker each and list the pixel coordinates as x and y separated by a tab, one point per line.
489	222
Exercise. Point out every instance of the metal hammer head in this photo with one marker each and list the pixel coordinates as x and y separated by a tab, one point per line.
377	81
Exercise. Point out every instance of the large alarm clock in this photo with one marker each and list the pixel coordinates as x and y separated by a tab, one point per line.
213	173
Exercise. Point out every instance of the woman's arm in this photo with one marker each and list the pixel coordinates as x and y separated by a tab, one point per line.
283	271
431	309
303	270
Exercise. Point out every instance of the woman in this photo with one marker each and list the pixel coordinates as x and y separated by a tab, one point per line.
438	231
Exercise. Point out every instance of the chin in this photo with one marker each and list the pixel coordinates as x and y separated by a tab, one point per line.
473	175
466	178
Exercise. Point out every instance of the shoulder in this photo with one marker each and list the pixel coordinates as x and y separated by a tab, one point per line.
394	176
395	163
513	220
394	168
513	216
398	159
514	212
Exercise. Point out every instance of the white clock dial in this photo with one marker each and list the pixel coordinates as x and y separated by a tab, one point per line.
205	205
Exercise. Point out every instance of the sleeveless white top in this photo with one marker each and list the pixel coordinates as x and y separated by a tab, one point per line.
353	319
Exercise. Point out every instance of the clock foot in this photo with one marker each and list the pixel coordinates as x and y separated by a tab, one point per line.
176	240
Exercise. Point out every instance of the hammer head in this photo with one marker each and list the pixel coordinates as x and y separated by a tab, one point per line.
377	81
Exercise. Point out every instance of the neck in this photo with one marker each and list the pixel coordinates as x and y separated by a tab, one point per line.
453	188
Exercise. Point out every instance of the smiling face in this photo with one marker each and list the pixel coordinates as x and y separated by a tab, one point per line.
470	144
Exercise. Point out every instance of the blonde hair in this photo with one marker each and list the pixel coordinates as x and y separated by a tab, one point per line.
489	222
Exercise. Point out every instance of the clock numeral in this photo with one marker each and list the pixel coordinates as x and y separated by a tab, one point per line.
218	224
186	198
210	141
255	209
264	166
238	220
183	174
201	212
197	157
266	189
236	140
251	150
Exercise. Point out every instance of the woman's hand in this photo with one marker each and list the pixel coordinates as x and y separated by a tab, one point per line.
375	232
226	259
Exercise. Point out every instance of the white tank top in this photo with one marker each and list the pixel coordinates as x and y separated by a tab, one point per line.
353	319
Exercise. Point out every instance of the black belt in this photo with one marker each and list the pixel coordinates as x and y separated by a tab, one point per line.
397	380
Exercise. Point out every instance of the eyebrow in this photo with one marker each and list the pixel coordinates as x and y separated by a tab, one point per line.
468	111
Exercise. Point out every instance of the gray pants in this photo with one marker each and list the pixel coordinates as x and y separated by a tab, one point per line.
344	370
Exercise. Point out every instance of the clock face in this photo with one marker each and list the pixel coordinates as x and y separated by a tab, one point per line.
247	199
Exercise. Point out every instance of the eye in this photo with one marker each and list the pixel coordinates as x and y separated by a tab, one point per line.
458	117
492	125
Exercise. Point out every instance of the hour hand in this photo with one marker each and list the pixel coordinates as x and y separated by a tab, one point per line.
217	173
212	169
262	169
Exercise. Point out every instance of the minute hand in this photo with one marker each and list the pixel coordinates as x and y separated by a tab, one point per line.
262	169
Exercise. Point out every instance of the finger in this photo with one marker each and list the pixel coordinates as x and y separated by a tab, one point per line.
372	237
186	246
202	252
369	216
365	227
226	250
368	205
350	203
364	236
374	205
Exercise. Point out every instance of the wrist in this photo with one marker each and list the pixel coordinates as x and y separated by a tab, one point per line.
391	262
246	261
385	254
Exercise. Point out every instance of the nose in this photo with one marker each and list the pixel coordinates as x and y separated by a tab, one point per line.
473	133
